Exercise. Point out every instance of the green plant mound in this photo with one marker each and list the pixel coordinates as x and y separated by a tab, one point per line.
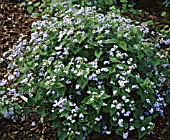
86	73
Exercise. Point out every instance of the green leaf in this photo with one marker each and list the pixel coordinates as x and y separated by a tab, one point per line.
141	133
30	101
25	69
125	67
20	79
55	124
20	64
105	96
100	1
143	86
106	109
85	100
76	50
125	125
123	45
166	27
26	111
59	85
42	112
100	37
166	73
43	5
97	128
81	38
53	117
62	134
132	49
30	2
109	2
52	35
98	53
82	82
155	61
113	123
112	111
96	107
149	23
22	4
148	51
140	54
111	70
120	34
64	113
163	14
92	43
155	114
114	60
168	97
142	67
102	75
123	1
119	131
147	120
111	41
150	75
147	81
99	102
136	124
138	112
143	95
61	91
29	9
36	4
134	30
52	98
95	26
34	15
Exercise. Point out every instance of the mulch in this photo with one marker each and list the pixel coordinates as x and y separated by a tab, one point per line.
14	22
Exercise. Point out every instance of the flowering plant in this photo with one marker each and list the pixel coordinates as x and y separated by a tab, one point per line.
87	73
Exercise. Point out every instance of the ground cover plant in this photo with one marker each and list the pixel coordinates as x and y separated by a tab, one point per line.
87	72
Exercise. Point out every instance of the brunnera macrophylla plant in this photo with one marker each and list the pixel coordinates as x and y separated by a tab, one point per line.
87	73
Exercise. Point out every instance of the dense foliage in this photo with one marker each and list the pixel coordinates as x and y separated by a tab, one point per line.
87	72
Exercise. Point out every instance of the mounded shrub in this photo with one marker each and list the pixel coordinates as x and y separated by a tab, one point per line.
87	73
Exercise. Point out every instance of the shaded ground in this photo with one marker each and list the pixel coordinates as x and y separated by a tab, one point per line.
13	23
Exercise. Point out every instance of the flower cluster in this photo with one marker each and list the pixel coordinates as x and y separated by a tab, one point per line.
87	72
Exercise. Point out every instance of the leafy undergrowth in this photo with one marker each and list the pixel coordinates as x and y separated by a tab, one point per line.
87	73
